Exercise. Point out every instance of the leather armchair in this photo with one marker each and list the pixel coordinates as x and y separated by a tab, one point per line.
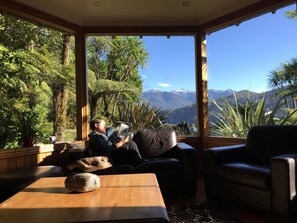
260	174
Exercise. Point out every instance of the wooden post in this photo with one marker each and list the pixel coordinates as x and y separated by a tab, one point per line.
81	86
201	85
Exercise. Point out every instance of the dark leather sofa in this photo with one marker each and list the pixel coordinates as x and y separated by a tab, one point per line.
259	174
173	163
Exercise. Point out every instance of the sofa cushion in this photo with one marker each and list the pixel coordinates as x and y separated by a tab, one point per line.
247	174
160	166
154	142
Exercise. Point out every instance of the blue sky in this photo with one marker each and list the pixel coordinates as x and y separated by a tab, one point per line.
238	57
171	63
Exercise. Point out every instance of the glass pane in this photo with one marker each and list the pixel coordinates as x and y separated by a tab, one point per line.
241	62
37	85
169	80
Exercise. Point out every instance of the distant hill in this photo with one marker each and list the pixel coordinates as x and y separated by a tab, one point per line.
182	106
169	100
214	94
181	98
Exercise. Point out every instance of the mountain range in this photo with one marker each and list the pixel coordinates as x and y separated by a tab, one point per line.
180	98
181	103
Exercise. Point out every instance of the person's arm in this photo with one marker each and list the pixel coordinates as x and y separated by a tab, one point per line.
122	142
109	131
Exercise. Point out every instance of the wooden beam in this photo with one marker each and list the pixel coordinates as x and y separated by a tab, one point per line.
82	113
38	16
201	85
244	14
141	30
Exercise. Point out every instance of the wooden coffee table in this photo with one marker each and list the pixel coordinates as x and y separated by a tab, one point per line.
121	198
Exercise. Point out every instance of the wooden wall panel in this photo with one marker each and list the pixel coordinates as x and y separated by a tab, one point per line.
3	165
48	154
20	162
12	164
27	161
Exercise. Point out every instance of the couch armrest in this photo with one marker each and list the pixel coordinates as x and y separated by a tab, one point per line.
283	182
215	156
189	170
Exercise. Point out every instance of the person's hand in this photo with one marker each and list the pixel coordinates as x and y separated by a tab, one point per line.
122	142
126	139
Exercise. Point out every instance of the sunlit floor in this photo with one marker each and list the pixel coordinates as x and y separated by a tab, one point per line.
244	214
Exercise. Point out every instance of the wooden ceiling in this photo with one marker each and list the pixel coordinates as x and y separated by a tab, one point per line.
76	14
138	12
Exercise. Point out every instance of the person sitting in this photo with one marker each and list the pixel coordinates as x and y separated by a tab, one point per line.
124	152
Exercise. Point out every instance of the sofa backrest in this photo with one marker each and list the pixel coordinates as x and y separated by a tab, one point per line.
264	142
154	142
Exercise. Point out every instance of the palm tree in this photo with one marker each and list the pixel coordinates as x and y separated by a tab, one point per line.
291	14
284	80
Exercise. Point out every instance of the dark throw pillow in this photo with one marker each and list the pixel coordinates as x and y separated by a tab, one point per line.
154	142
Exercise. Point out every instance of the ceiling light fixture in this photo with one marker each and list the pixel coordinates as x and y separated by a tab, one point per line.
186	3
96	3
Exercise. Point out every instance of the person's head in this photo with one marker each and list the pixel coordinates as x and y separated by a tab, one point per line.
99	125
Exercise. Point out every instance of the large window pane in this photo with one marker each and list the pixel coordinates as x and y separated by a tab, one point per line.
37	84
242	60
169	80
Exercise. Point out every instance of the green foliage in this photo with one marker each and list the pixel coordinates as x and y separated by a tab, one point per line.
284	79
235	121
18	33
37	73
109	87
141	115
291	14
28	127
113	76
18	73
22	127
31	69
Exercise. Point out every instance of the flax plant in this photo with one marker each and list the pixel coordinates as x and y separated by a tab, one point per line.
142	115
235	121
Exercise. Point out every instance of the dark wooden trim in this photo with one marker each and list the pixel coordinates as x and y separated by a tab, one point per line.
81	86
249	12
210	141
141	30
38	16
